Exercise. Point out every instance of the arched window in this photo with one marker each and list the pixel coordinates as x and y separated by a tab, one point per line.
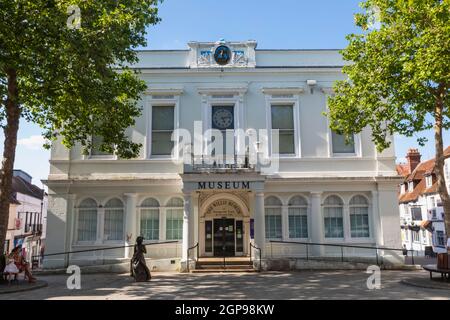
333	217
298	218
174	219
359	217
87	220
150	219
114	220
272	209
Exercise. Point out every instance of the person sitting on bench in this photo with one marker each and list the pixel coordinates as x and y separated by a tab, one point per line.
21	263
11	270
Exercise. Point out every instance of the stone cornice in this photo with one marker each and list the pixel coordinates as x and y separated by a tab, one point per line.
282	90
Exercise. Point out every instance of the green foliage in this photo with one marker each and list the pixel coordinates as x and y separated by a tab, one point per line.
397	71
76	82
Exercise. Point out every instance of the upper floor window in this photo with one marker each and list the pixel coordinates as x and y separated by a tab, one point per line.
411	186
402	189
440	238
341	146
96	145
432	202
416	213
162	129
283	120
222	119
429	181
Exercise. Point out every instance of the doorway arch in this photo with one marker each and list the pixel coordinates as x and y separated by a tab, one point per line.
224	225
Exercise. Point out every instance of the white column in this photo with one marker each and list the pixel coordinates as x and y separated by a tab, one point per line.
285	222
100	228
186	220
316	234
195	221
70	225
259	224
376	220
162	224
130	222
346	222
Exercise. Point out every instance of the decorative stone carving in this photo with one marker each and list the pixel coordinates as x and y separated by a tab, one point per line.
205	58
242	54
239	57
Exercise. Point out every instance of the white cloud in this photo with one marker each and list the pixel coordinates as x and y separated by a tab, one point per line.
33	143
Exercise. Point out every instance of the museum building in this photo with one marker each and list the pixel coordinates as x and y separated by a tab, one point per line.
318	188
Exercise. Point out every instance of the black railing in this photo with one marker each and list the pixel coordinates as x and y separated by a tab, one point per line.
342	247
68	253
252	246
34	228
207	164
188	252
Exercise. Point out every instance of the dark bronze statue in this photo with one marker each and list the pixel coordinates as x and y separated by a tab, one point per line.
139	269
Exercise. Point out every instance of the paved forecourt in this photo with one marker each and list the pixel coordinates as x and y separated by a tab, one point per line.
270	285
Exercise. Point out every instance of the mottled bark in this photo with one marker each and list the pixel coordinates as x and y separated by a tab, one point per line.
440	157
10	131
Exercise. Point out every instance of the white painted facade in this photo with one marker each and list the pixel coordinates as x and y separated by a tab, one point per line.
160	194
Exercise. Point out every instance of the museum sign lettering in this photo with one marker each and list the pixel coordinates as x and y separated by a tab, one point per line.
224	185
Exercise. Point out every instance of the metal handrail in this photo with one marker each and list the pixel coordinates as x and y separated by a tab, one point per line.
260	255
342	246
188	251
67	253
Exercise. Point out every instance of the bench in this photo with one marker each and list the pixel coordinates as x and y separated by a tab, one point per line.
432	268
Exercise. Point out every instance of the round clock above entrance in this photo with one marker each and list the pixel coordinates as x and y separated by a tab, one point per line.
222	55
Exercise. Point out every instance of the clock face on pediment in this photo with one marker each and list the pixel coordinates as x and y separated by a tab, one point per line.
223	118
222	55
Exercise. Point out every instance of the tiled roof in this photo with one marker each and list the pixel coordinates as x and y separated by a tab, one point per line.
402	170
422	170
19	185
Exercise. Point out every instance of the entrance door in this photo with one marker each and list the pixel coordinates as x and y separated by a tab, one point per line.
224	241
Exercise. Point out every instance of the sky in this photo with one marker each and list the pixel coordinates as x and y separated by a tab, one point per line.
282	24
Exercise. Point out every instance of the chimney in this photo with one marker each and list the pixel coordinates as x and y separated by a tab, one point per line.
413	157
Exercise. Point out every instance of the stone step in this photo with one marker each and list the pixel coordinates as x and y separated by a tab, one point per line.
220	266
231	263
221	270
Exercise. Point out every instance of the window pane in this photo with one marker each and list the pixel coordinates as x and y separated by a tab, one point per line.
273	223
113	224
162	143
174	224
96	143
220	119
334	227
162	117
286	144
87	224
416	213
339	145
359	222
150	224
282	117
298	223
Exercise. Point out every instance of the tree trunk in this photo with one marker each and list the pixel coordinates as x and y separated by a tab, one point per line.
12	127
440	159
